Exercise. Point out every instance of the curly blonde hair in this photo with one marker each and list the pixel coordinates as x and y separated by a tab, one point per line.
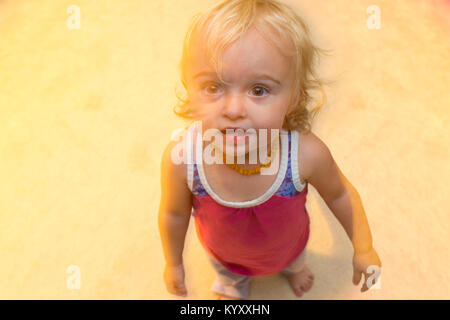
227	21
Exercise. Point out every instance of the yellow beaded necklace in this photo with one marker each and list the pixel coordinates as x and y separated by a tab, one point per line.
246	172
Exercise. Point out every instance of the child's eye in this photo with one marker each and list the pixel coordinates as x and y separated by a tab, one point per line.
259	91
211	89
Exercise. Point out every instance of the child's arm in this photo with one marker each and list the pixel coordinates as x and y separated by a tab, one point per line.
173	219
320	169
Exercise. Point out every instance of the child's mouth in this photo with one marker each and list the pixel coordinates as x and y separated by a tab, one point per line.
235	136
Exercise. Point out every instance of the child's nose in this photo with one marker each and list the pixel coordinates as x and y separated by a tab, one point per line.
234	107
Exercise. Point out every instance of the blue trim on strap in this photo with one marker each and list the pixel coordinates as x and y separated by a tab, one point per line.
287	188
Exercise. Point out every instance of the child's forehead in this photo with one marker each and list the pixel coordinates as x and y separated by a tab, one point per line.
255	43
260	32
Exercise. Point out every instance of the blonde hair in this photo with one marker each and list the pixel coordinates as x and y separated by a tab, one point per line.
227	21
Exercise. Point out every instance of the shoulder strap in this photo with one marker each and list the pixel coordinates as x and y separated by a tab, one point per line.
294	161
190	157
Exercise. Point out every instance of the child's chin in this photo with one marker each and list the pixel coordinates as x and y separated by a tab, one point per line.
235	150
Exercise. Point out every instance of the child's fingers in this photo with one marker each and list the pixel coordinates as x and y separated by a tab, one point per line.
174	279
177	288
364	287
181	288
356	277
171	288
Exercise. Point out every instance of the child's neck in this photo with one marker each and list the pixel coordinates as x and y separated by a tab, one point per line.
256	161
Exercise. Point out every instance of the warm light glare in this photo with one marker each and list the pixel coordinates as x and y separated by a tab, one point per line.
87	90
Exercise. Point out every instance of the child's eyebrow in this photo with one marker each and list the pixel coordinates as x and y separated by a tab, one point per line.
257	76
204	74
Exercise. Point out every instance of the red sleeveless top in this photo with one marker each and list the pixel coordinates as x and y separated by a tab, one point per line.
257	237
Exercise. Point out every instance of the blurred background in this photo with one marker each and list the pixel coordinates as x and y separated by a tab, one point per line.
87	90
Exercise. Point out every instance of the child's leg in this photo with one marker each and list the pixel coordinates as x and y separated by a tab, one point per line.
296	265
228	283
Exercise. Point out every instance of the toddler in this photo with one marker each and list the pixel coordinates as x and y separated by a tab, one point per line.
248	69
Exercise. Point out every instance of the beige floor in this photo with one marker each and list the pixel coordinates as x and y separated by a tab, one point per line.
85	114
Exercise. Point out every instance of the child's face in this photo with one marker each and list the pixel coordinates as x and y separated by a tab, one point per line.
250	99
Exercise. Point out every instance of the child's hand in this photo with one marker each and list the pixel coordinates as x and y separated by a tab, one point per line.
361	261
174	279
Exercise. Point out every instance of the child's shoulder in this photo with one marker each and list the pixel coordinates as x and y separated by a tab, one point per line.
313	153
312	143
176	197
172	161
175	156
